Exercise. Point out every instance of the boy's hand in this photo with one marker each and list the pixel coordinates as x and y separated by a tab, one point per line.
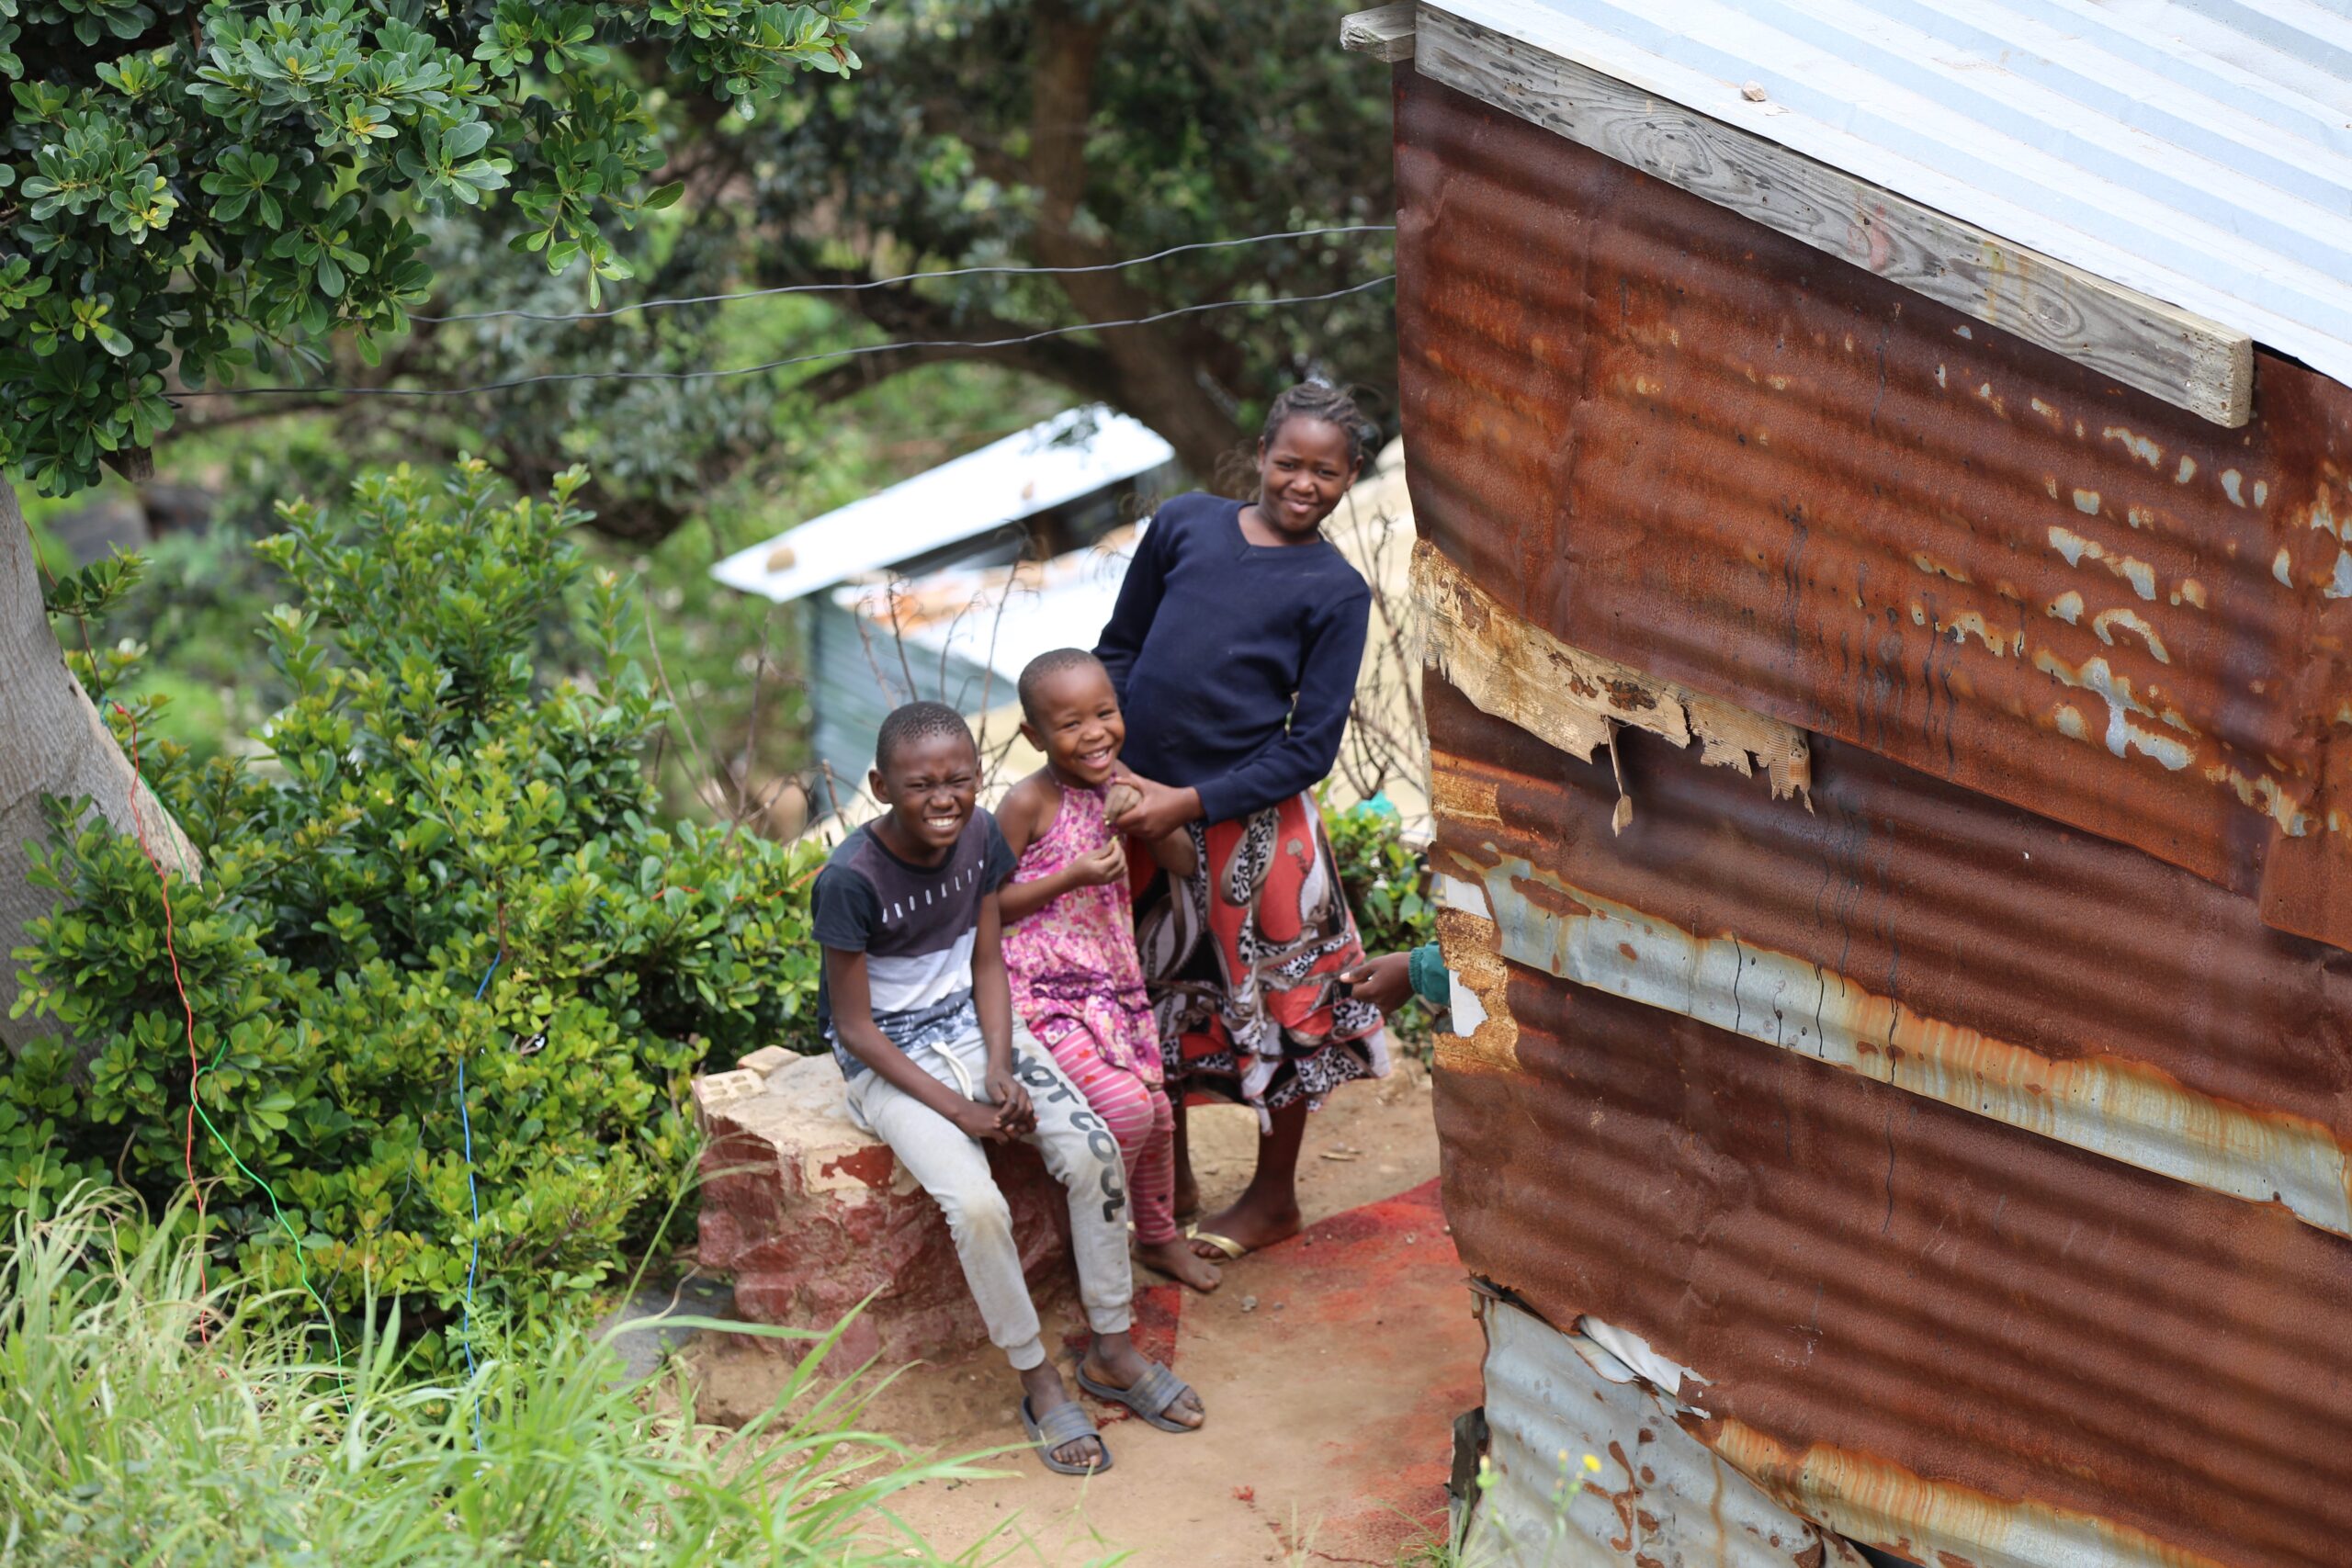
1387	982
1016	1117
977	1120
1100	869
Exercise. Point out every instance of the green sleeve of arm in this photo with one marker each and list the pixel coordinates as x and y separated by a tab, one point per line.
1430	982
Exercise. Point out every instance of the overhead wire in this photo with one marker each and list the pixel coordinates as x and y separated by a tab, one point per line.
856	351
866	284
196	1073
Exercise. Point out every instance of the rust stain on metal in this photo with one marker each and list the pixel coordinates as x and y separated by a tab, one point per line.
1679	441
1855	1269
1893	1276
1932	939
1473	951
1869	1500
2120	1109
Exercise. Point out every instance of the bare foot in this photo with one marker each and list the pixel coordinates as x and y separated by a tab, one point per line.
1115	1362
1044	1386
1248	1225
1176	1258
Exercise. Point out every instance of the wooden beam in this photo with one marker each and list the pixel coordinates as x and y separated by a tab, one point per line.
2134	338
1384	34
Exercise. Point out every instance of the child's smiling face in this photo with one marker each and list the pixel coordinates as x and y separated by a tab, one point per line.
1074	721
1301	474
930	783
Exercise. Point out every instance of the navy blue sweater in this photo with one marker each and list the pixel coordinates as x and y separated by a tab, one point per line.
1236	662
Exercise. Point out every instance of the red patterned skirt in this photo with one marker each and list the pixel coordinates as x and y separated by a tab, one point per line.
1241	961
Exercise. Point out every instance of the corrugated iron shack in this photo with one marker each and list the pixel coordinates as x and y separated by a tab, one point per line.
1884	474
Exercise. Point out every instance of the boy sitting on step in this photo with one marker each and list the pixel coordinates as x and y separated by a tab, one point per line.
914	999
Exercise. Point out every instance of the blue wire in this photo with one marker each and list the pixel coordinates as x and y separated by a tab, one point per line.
465	1117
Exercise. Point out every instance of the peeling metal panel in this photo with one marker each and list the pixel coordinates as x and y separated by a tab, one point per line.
1927	937
1576	701
1931	1331
1659	1497
1924	936
1672	438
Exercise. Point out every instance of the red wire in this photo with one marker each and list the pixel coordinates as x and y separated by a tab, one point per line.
195	1071
163	883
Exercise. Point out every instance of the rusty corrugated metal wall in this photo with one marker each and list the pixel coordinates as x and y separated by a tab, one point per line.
1975	1121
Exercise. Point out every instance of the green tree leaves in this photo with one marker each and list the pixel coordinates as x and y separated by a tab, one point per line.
241	180
219	185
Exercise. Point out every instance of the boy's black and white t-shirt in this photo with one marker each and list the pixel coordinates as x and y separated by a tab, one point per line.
916	925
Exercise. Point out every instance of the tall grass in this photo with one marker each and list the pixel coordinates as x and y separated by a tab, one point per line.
142	1425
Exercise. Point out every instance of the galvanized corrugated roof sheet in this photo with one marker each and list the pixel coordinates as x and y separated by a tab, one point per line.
2199	150
1071	455
1589	1470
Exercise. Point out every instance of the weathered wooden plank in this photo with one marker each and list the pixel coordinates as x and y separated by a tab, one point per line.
1386	33
2175	354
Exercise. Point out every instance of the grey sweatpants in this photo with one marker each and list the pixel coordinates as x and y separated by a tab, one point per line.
953	1167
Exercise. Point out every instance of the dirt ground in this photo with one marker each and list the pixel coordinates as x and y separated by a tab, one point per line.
1332	1367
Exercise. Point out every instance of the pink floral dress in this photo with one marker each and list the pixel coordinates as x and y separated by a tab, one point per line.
1072	964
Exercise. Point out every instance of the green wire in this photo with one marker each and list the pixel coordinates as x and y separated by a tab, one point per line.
288	1225
196	1102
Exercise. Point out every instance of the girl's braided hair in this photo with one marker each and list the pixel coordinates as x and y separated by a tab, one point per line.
1320	400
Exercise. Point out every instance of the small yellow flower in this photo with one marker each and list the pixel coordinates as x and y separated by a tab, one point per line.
1592	1464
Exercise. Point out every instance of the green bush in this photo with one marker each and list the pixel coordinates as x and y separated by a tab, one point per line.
1387	886
428	802
1386	879
127	1438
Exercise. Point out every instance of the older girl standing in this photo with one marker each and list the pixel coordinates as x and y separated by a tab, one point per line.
1235	648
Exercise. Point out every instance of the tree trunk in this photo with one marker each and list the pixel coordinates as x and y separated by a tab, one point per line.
1160	382
1167	394
51	743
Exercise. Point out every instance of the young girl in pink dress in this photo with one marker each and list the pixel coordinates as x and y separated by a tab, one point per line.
1069	943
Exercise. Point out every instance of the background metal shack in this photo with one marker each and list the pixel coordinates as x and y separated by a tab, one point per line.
1934	1099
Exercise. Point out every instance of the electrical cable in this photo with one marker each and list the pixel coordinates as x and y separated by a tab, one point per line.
473	1196
774	364
196	1075
908	277
195	1071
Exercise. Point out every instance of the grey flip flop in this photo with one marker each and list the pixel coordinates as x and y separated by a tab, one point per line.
1152	1395
1063	1425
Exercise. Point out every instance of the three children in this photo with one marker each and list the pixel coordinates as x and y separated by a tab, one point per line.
985	977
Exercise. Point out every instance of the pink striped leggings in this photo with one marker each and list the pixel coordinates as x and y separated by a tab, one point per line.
1139	1118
